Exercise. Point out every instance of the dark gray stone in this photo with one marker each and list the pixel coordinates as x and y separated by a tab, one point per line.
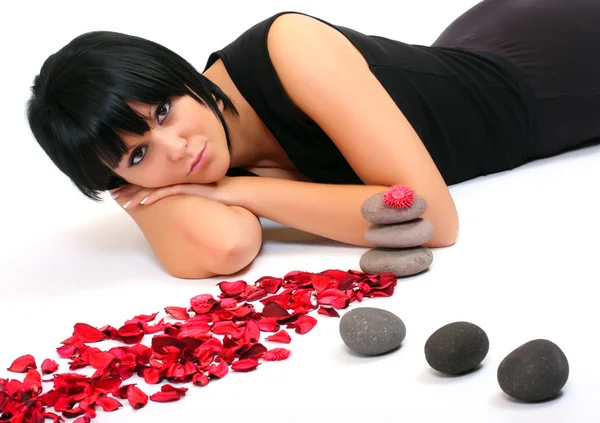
405	262
400	235
371	331
456	348
375	211
536	371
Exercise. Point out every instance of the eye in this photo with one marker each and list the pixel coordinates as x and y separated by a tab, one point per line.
163	110
137	155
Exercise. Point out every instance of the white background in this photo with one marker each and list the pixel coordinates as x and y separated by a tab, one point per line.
525	266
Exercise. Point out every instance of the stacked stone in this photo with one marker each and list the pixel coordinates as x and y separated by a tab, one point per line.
398	233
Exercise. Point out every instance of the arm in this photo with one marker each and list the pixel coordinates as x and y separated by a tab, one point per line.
329	80
327	210
195	238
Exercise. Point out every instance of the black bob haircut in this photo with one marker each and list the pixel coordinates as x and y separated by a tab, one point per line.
79	102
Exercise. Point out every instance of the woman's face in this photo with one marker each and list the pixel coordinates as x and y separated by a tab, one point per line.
180	129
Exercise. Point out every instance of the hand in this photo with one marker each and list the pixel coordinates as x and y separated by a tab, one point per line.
130	196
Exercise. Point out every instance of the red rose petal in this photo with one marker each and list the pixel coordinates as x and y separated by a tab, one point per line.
55	417
254	293
33	381
268	324
179	313
321	282
136	397
304	324
200	379
168	396
256	351
67	351
223	328
142	318
49	366
108	385
232	289
328	311
130	333
88	333
270	284
274	309
334	298
23	364
219	371
168	388
282	336
245	365
202	303
252	332
276	354
359	295
108	404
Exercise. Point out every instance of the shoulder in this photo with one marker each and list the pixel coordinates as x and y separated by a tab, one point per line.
294	31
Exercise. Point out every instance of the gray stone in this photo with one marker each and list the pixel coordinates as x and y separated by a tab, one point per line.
456	348
536	371
375	211
371	331
406	262
400	235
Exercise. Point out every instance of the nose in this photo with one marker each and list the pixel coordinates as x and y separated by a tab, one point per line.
175	146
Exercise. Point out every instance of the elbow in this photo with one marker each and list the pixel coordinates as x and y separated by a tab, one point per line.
236	258
224	260
444	235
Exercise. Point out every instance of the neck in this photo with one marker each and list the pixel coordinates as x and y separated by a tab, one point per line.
251	143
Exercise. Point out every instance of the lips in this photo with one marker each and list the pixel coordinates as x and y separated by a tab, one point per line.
197	161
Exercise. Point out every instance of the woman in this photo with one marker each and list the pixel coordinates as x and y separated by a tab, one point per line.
324	115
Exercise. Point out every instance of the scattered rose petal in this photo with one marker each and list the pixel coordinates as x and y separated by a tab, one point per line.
49	366
304	324
282	336
328	311
108	404
333	297
183	351
219	370
270	284
23	364
245	365
88	333
168	396
136	397
179	313
232	289
276	354
142	318
274	309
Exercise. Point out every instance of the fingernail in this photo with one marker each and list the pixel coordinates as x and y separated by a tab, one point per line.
126	204
144	200
114	195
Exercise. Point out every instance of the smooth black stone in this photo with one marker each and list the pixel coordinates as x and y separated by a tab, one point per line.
371	331
536	371
456	348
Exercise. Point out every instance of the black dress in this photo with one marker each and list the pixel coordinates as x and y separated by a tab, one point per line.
475	110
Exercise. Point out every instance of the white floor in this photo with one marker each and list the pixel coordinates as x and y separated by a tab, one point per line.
525	266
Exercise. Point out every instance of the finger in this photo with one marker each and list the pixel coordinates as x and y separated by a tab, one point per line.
160	193
134	200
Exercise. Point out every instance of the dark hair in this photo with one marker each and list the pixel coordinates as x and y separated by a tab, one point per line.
79	102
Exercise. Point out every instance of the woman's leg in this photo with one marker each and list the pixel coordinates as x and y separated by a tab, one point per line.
556	44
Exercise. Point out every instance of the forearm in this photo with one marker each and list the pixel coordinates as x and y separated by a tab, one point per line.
194	237
328	210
